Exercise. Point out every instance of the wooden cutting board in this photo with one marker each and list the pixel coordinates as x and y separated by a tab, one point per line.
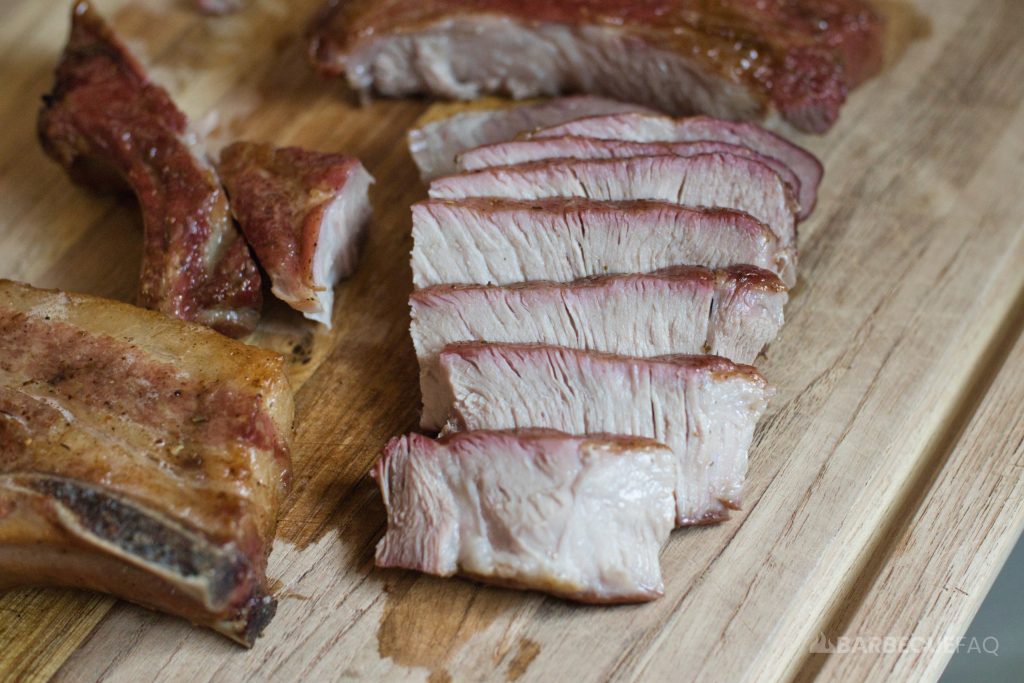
885	487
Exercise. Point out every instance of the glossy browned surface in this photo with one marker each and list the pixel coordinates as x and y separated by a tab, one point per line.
162	439
801	55
106	122
279	196
747	277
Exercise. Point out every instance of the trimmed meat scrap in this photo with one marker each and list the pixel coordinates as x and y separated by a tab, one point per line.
705	180
704	408
583	518
435	142
732	312
504	241
140	456
652	128
304	214
107	124
737	59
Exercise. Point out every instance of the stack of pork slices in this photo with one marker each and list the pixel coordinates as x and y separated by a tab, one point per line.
588	298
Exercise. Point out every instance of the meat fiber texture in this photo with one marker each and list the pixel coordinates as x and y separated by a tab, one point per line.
304	214
140	456
704	408
733	59
502	241
107	124
583	518
650	128
705	180
435	142
733	313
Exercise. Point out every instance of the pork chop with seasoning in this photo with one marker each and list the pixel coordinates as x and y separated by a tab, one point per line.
109	125
708	180
737	59
304	214
504	241
652	128
435	140
140	456
732	312
583	518
704	408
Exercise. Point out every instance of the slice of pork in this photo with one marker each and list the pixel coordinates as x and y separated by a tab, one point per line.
712	180
583	518
434	142
732	312
642	127
740	59
576	147
704	408
304	214
504	241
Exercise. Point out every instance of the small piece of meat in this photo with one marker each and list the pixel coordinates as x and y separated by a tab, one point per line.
737	59
732	312
704	408
107	124
640	127
140	456
435	142
304	214
573	147
504	241
583	518
705	180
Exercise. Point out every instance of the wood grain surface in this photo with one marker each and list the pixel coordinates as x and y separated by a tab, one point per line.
885	482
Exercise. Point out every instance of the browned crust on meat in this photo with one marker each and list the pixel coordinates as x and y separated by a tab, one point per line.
279	197
564	591
149	454
802	55
720	367
615	443
750	278
109	125
676	274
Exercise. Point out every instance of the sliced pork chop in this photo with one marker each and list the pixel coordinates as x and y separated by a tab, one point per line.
575	147
504	241
139	456
107	124
436	140
305	215
704	408
711	180
652	128
583	518
732	312
732	58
